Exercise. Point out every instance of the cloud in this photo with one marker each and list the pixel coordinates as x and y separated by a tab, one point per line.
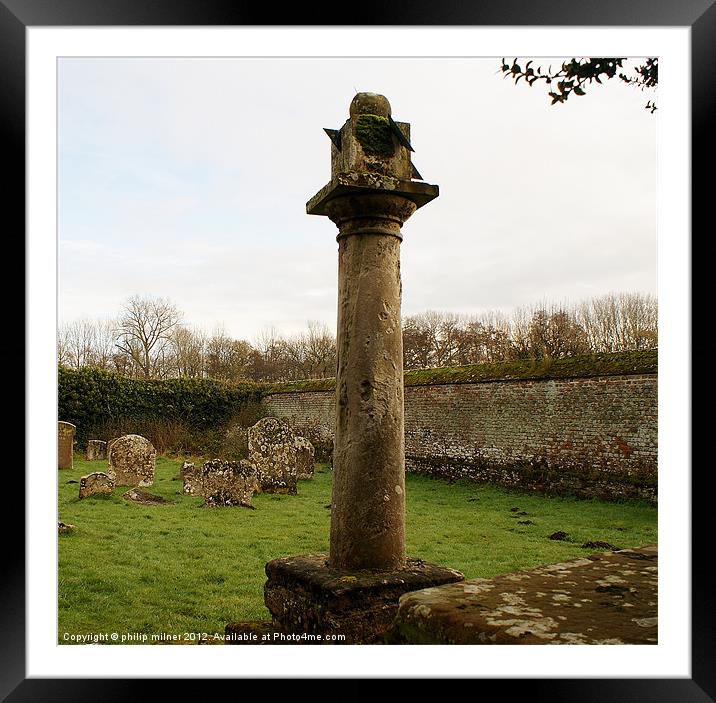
188	179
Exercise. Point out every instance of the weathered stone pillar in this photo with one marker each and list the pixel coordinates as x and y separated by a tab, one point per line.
368	506
355	591
370	196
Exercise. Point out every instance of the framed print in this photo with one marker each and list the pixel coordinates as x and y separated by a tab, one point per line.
248	89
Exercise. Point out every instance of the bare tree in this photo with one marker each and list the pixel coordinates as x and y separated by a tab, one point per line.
268	358
105	343
320	351
227	358
417	344
77	343
64	357
448	339
189	351
555	333
480	341
620	321
145	334
149	341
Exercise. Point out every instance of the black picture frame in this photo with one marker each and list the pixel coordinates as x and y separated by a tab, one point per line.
699	15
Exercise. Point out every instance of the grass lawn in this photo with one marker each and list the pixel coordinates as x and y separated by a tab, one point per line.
183	568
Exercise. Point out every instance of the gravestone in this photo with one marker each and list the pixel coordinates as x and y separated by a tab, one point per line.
191	478
132	459
109	469
97	482
65	444
305	459
228	483
96	450
272	450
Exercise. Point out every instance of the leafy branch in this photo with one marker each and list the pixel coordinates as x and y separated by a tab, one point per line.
576	74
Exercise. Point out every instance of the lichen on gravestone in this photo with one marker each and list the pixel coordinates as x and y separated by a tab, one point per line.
228	483
131	461
96	483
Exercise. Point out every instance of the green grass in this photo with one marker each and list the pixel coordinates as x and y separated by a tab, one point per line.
183	568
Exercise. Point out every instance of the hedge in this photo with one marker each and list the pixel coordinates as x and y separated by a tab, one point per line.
91	397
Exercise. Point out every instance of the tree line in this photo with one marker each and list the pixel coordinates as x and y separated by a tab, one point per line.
149	339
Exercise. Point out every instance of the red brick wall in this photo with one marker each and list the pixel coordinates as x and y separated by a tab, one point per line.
593	436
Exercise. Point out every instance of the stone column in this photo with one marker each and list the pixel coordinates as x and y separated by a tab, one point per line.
368	506
354	590
371	195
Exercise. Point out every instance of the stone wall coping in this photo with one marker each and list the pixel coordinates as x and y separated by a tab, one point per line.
574	367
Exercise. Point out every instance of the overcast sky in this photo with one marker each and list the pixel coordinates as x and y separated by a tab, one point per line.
188	178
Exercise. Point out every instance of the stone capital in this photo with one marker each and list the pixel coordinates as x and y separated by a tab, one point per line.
370	213
355	184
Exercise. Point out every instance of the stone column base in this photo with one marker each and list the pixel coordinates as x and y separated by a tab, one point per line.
304	595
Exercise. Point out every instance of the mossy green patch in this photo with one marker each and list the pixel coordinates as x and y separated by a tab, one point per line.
374	135
584	366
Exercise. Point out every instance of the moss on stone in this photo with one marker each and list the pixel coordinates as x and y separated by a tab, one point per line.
585	366
374	135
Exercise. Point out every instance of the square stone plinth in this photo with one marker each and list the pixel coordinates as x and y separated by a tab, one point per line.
304	595
608	598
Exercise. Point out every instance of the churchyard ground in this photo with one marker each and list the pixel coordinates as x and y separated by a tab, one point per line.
182	568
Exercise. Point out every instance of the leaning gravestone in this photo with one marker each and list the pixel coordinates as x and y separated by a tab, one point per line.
131	461
65	443
272	450
305	459
92	484
229	483
96	449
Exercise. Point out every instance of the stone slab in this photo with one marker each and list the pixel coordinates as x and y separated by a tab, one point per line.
65	444
303	594
191	479
272	450
228	483
305	459
96	450
131	461
96	483
608	598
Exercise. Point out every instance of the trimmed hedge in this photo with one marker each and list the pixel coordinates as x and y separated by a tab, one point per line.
90	398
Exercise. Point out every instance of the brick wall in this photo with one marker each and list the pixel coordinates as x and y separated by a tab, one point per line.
592	435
